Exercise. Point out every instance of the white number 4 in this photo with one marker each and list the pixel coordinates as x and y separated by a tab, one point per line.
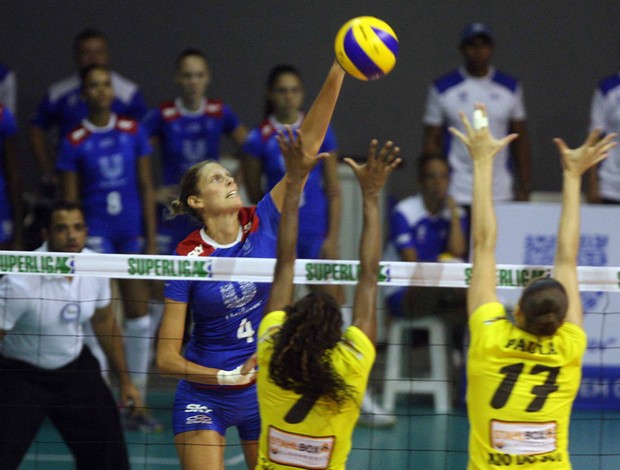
245	330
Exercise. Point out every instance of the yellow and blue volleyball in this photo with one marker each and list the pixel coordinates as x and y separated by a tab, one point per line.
366	47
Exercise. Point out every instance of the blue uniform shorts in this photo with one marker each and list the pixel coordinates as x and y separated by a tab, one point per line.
216	409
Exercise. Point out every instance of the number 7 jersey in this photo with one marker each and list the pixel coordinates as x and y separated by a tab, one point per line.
520	392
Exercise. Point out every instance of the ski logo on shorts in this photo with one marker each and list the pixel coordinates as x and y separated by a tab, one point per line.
197	408
201	418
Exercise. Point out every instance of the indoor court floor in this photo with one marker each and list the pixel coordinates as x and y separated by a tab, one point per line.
420	439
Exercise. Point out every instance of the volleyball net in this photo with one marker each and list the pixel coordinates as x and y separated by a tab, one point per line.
424	434
392	273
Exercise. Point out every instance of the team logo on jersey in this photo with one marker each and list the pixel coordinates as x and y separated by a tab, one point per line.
112	166
238	294
194	150
196	251
70	312
247	247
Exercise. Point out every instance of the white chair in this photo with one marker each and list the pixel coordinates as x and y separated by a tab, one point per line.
398	353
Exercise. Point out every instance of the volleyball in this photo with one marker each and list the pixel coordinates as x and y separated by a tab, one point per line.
366	47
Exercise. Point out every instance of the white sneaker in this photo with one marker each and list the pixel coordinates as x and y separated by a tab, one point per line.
373	416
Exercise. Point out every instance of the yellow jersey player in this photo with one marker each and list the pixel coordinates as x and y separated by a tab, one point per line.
523	376
312	374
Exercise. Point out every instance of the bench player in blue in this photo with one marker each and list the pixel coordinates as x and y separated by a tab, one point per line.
320	201
217	388
63	106
188	129
105	163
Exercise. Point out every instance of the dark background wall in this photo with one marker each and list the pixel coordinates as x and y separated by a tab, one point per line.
559	49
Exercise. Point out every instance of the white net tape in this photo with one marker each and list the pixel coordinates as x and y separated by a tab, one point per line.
261	270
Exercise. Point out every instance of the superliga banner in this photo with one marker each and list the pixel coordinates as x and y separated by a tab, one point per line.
527	234
391	273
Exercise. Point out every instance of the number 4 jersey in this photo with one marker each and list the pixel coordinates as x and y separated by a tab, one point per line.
105	160
520	391
226	314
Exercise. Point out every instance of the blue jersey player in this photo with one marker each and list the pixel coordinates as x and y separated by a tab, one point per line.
320	200
105	164
63	106
188	130
217	388
10	193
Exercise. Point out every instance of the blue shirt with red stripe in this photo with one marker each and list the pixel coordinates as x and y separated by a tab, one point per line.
64	107
263	144
188	137
106	162
226	314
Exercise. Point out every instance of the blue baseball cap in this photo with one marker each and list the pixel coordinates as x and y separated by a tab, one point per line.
474	30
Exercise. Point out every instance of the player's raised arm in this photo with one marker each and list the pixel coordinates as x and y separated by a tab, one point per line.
315	123
371	177
482	147
575	162
298	166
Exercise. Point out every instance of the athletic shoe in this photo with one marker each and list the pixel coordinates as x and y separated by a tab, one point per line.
373	416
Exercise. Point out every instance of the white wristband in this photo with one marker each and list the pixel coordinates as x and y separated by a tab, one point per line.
480	120
234	377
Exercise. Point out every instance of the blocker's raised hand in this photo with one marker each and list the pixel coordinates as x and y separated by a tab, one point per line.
478	138
373	174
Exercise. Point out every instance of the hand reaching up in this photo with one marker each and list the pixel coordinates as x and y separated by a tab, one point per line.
592	151
298	162
481	144
373	174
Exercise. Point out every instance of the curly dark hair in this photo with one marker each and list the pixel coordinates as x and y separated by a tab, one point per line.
301	359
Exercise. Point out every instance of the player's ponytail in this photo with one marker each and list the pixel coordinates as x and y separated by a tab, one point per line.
544	304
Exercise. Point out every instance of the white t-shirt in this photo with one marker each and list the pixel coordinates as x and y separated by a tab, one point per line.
605	115
44	316
459	92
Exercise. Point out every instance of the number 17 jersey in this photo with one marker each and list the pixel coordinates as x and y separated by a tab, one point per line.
520	392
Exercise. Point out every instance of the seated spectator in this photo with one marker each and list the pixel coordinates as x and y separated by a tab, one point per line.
429	227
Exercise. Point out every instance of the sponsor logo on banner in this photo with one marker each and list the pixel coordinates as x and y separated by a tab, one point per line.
37	264
540	249
513	277
342	272
198	268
